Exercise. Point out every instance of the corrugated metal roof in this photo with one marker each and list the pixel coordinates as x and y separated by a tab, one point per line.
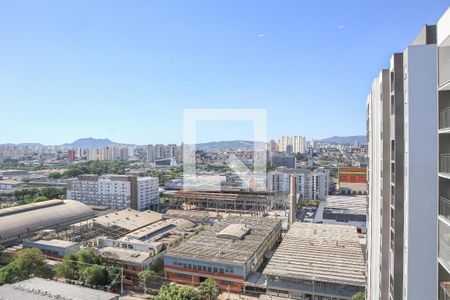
43	289
28	218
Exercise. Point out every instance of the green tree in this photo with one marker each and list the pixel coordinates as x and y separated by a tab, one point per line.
95	275
29	262
68	267
359	296
73	171
208	289
9	274
54	175
146	277
174	292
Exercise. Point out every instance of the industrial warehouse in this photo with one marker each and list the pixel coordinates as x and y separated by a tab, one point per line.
18	222
317	261
254	203
227	252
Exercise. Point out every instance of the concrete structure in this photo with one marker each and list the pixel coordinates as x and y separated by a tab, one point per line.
227	252
317	261
43	289
310	185
443	43
19	221
402	134
293	200
115	191
53	248
254	203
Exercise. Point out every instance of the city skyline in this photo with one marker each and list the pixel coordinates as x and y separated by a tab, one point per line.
106	69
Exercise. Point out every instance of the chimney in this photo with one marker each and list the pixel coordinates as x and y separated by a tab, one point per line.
292	199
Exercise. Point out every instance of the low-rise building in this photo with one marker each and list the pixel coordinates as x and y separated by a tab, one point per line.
317	261
53	248
226	252
343	210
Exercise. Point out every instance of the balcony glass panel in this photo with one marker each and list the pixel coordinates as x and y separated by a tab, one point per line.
444	65
444	243
444	208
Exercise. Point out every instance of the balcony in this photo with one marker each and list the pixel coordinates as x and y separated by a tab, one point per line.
444	243
444	164
444	118
444	208
444	65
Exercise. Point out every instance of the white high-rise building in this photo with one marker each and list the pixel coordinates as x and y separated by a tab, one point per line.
310	185
402	212
298	143
115	191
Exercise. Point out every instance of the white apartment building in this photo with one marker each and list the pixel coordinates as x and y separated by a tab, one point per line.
310	185
115	191
298	143
157	152
402	213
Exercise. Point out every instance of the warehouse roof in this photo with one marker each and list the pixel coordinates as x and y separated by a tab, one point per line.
23	219
207	246
129	219
320	252
44	289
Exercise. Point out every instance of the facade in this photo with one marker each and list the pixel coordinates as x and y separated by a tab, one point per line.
310	185
317	261
354	179
71	155
443	43
115	191
402	134
227	252
281	160
298	144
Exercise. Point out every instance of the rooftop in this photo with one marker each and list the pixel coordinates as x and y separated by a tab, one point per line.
129	219
320	252
56	243
43	289
208	246
125	255
347	204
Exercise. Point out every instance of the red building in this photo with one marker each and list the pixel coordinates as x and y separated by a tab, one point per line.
71	155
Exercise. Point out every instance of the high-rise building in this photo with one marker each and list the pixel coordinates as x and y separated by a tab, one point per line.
443	43
298	143
310	185
157	152
71	155
402	222
115	191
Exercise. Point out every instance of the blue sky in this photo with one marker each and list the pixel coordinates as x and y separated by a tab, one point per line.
126	69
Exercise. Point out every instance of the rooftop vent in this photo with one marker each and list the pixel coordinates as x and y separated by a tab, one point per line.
234	232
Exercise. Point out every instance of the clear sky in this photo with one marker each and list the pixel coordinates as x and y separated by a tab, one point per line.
126	69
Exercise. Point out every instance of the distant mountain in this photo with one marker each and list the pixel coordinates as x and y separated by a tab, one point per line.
345	139
228	145
90	143
24	144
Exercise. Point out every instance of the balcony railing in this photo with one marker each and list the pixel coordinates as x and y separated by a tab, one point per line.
444	118
444	207
444	166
